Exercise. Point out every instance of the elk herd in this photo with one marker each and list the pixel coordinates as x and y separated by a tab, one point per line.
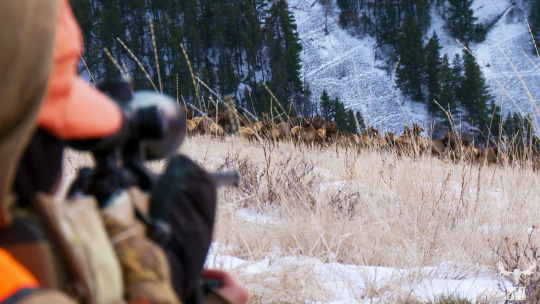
317	132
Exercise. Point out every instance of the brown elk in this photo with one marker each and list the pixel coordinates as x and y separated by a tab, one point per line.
189	113
307	135
274	134
333	136
257	126
247	133
492	155
224	121
438	147
284	129
206	125
469	153
358	141
254	125
270	133
441	146
367	136
422	142
318	123
198	119
331	128
417	129
462	148
410	142
191	126
267	129
380	142
390	140
322	133
340	138
371	137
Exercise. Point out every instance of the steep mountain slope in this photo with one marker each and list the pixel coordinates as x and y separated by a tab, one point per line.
352	68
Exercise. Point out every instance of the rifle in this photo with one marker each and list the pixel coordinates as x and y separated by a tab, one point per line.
154	127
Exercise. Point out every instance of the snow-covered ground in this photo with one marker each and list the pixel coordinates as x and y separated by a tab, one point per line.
348	68
340	283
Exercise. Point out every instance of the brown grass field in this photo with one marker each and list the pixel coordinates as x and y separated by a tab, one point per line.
364	207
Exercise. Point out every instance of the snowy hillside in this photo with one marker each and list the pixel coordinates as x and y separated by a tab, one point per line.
347	66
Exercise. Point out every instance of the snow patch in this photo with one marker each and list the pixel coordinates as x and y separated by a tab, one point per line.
361	284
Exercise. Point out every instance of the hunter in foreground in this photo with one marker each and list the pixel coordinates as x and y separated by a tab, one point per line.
122	234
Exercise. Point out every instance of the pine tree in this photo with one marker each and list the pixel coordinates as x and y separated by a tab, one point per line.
461	21
534	23
327	108
351	122
457	76
208	74
137	42
388	25
519	130
361	122
192	38
110	26
433	71
347	15
448	92
85	16
422	14
532	139
507	126
254	38
284	52
259	99
475	96
235	37
495	125
340	115
410	72
227	78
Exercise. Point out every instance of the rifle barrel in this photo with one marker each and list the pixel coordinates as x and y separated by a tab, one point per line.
226	179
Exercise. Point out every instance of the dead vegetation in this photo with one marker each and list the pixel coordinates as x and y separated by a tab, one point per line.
338	203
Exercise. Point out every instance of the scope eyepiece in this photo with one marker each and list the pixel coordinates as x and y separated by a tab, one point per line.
172	123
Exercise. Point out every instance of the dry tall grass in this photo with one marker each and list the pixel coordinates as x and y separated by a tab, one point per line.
359	207
362	208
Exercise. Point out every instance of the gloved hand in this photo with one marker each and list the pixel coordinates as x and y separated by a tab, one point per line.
185	196
230	290
144	264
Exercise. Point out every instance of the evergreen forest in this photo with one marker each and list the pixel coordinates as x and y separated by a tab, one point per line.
197	50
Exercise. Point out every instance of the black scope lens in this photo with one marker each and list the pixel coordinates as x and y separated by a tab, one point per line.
149	123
